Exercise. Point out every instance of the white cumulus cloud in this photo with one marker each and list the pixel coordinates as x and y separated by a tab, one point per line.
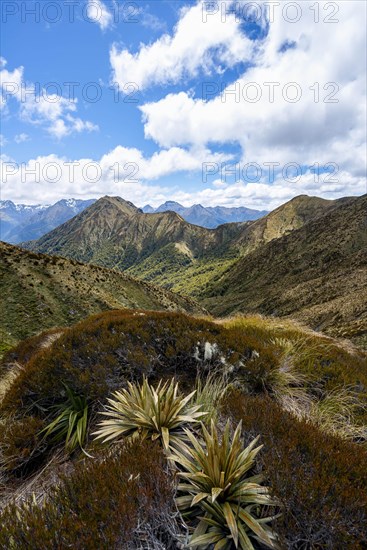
122	171
194	47
321	63
53	112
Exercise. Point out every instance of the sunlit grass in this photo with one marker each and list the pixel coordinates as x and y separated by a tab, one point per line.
210	390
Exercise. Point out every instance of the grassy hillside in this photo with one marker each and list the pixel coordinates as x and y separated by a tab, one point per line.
40	292
305	395
317	274
283	220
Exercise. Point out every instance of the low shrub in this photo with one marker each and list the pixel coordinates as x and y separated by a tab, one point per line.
210	390
338	412
314	355
99	355
319	479
122	500
21	447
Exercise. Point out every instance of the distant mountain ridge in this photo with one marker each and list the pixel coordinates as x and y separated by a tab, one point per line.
115	233
209	216
21	222
163	247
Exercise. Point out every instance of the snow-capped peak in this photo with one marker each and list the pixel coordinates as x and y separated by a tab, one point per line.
71	203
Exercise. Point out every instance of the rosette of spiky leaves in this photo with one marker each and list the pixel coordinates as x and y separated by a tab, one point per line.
219	489
156	413
71	423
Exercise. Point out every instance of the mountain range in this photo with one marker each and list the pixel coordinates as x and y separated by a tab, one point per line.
305	259
209	216
21	222
163	247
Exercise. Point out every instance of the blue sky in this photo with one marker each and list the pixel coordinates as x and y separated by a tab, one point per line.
77	52
213	148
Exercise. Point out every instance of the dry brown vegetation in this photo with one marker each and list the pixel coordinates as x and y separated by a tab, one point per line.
275	370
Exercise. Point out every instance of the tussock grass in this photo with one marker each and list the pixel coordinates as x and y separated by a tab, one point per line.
275	325
210	391
316	378
337	413
289	388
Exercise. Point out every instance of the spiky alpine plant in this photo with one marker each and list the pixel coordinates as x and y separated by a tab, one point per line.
157	413
71	422
218	489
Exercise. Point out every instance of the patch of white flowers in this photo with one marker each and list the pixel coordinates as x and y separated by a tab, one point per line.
208	352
